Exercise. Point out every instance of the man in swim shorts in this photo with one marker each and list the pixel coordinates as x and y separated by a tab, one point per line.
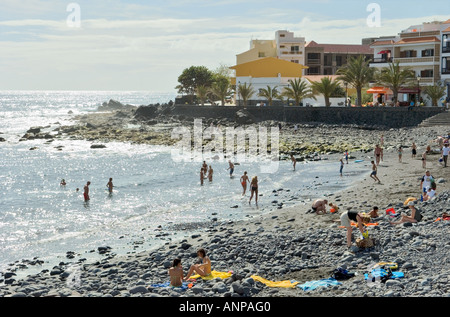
377	153
320	206
231	168
374	172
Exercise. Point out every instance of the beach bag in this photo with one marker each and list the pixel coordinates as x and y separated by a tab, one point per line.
341	274
365	243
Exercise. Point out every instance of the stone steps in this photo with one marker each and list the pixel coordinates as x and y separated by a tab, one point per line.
437	120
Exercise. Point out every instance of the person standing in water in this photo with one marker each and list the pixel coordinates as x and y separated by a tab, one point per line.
86	192
210	174
110	186
254	189
244	180
231	168
202	176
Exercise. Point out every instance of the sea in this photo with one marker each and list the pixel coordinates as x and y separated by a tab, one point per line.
155	200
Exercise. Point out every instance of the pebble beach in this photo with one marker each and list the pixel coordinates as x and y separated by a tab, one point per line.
291	243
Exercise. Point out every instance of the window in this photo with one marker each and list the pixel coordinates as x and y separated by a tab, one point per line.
446	43
295	48
314	71
446	65
313	55
408	54
338	61
295	61
428	52
426	73
261	54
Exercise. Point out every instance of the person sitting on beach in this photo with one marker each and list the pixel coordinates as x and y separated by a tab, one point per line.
357	217
202	269
176	273
374	172
374	212
319	206
429	194
294	161
254	190
244	180
333	208
415	215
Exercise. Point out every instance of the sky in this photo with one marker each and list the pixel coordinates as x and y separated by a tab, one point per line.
136	45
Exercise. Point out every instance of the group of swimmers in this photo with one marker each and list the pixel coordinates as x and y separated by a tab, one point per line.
86	188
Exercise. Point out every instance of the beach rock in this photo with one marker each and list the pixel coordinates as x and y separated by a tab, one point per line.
139	289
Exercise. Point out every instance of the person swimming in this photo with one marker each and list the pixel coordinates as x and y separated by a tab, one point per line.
110	186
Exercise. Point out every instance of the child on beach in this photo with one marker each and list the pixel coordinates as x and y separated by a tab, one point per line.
374	173
374	212
333	208
424	159
254	189
294	161
203	269
244	180
176	273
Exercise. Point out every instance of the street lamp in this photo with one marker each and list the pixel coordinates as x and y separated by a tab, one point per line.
418	89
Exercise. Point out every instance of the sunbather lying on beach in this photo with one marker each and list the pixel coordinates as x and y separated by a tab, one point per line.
203	269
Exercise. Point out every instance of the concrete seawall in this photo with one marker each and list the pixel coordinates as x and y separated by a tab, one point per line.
375	116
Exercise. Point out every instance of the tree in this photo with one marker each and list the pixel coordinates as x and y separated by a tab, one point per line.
326	87
269	93
298	90
202	94
358	74
394	77
435	93
245	92
220	88
193	77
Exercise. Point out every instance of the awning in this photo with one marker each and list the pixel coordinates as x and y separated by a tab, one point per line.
384	52
379	90
408	90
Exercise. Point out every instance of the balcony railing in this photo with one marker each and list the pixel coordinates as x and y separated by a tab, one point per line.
314	61
445	71
430	59
446	49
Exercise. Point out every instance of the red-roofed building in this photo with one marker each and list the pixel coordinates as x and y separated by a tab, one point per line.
326	59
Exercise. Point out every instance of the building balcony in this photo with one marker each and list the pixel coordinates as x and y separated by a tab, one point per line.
407	60
291	53
445	71
314	61
445	49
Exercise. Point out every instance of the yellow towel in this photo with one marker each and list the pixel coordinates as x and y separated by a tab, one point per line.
283	284
213	275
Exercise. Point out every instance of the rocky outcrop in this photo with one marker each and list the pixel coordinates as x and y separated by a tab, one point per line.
114	105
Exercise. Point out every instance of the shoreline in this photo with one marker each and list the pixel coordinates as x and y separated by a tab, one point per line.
287	243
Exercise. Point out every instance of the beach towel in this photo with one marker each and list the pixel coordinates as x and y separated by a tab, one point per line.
309	286
354	224
282	284
184	286
383	275
213	275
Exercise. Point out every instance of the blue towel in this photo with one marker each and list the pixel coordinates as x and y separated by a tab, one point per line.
309	286
167	284
378	273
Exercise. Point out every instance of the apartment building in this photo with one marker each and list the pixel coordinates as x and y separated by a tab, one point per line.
423	48
326	59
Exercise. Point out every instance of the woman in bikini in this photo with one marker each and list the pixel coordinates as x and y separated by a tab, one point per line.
176	273
203	269
254	188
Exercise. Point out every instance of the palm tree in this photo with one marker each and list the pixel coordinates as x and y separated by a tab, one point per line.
220	88
394	77
245	92
358	74
435	93
326	87
298	90
202	94
269	93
